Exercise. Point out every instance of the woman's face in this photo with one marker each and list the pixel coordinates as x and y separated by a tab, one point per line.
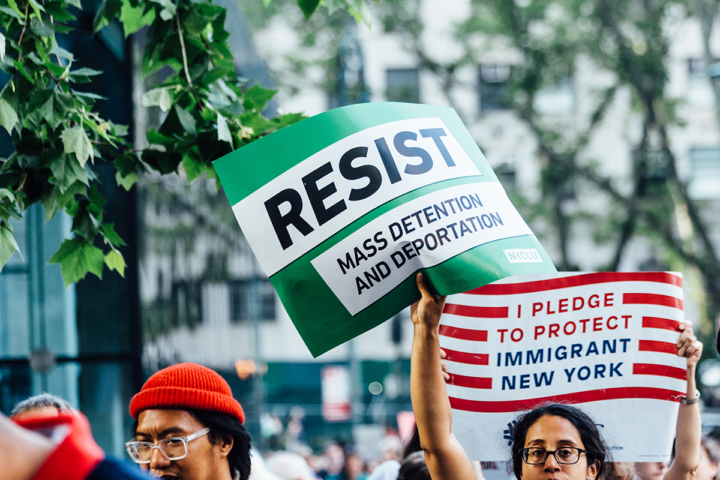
552	433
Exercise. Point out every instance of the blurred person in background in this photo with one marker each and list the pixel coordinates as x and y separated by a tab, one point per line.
188	426
651	470
334	459
290	466
414	467
391	452
707	468
622	471
370	466
391	448
259	469
354	468
44	403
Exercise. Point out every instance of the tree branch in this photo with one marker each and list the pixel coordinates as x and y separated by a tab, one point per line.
184	52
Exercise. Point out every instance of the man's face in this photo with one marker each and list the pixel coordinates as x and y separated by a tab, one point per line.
204	460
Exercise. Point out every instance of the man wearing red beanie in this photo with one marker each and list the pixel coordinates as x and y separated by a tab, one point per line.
188	426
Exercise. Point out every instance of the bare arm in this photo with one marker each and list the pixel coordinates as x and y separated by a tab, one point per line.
22	452
444	456
688	430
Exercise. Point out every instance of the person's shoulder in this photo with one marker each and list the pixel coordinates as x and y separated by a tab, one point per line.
113	469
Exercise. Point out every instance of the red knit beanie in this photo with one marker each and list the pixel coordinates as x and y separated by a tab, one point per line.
187	386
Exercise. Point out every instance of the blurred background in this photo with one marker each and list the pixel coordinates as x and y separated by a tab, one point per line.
600	117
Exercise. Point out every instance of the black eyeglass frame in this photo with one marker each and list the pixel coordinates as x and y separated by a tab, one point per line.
525	452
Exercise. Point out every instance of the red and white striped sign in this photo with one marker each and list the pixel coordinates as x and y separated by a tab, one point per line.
604	341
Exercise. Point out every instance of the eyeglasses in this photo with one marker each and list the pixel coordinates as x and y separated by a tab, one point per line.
173	448
563	456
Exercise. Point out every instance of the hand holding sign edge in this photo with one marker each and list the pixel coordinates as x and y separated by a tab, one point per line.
427	311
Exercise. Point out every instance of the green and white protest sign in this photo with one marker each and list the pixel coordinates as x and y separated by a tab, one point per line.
343	208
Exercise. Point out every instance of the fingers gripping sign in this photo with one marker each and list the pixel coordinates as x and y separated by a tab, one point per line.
427	311
688	345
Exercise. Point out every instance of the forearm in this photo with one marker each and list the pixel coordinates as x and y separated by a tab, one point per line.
21	452
689	429
427	388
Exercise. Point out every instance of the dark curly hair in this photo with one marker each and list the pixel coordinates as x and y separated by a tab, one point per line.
594	445
221	427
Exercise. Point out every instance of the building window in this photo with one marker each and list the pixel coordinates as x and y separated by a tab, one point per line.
556	99
403	85
705	176
699	88
241	295
493	86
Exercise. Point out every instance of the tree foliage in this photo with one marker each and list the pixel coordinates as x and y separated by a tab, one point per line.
627	44
58	136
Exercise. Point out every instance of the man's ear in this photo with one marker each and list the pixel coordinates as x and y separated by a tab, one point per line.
225	445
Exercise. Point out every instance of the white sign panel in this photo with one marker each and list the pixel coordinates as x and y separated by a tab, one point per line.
603	341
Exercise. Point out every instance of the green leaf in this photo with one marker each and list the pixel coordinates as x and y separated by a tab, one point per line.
126	181
308	7
49	203
37	8
87	72
216	73
163	162
67	171
61	52
75	3
116	262
8	245
223	130
42	28
63	198
84	223
58	10
105	14
8	117
132	18
2	47
75	141
97	202
193	168
169	9
13	13
186	120
76	258
159	97
6	193
257	97
15	8
108	231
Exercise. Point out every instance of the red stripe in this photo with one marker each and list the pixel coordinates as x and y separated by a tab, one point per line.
651	299
659	370
576	397
576	281
478	312
464	357
663	323
470	382
655	346
464	333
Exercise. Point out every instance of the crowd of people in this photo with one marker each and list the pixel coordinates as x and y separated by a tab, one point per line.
188	426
